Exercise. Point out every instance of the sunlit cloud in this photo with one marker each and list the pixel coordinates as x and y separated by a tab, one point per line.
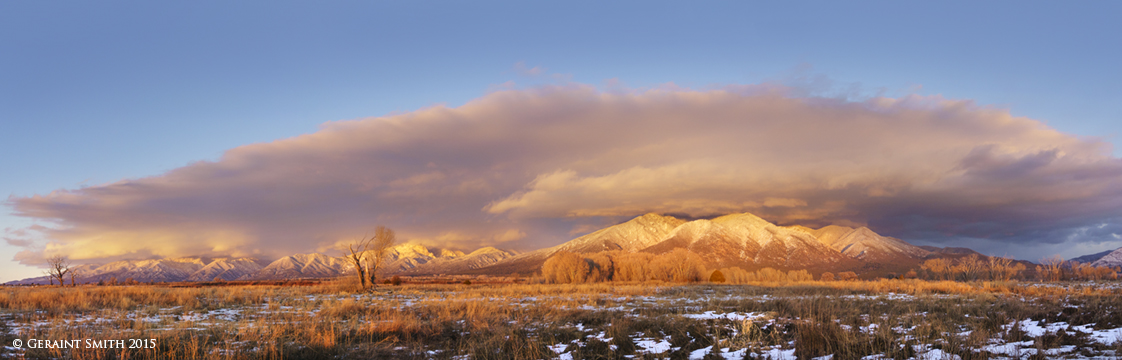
530	168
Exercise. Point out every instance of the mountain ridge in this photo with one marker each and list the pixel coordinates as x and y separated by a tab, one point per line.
404	259
740	239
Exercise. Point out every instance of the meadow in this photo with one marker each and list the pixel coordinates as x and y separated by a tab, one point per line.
879	319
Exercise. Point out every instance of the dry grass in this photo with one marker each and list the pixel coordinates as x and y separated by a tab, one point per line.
502	321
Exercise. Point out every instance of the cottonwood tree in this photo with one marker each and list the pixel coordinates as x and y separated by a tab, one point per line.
74	275
735	275
969	267
58	268
799	275
937	267
1051	269
601	266
1003	269
632	266
357	253
769	274
380	246
565	267
1088	272
678	265
368	254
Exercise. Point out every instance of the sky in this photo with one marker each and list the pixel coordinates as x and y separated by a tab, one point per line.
135	130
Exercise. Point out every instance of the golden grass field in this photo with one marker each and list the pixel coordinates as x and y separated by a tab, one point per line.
883	319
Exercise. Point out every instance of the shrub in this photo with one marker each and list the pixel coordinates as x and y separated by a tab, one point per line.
717	277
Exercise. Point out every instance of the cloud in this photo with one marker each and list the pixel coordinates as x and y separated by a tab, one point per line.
526	168
523	70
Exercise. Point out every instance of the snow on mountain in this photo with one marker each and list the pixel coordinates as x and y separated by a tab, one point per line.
1089	259
1114	258
400	259
454	265
831	235
751	228
714	242
406	257
80	272
733	240
864	244
634	235
747	240
159	270
302	266
226	269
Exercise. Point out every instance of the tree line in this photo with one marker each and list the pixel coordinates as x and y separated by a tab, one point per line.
973	268
679	265
1056	269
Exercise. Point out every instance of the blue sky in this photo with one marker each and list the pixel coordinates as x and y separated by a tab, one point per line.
94	93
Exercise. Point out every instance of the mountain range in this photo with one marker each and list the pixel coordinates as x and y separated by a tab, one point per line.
402	259
1106	258
742	240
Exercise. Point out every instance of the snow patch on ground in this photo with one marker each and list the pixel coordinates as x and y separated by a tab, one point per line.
649	346
712	315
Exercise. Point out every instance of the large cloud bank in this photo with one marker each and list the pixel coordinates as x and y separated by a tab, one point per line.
529	168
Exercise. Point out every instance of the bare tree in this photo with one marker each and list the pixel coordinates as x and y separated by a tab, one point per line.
358	252
1002	268
74	274
58	267
380	246
970	267
1053	268
368	254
